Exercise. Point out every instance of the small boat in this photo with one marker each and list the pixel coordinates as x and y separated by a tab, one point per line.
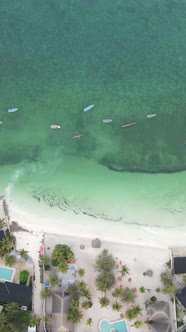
12	110
107	120
55	127
1	122
128	125
88	108
149	116
77	136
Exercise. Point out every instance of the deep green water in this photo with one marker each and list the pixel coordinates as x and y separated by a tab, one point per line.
128	58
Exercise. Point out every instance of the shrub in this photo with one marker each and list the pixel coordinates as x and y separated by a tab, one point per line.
23	277
153	298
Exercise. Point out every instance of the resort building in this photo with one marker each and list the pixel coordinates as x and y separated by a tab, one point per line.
159	314
11	292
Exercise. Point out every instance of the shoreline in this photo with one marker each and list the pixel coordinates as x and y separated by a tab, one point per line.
83	226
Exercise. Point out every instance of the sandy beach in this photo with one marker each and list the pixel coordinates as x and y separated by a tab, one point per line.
67	223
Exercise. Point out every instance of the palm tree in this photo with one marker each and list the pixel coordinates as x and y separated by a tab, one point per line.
74	313
86	293
137	310
104	301
105	262
118	292
82	285
81	272
128	295
117	306
6	245
44	260
34	321
2	223
131	314
142	289
124	270
105	281
3	321
10	260
89	321
63	266
23	253
46	293
54	280
86	304
47	319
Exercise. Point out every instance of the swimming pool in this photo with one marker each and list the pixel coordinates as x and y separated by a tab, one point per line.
6	274
117	325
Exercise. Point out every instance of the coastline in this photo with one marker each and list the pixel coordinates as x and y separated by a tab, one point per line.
68	224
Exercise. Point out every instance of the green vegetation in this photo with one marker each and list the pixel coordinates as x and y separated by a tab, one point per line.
86	304
89	321
128	295
81	272
153	298
74	313
104	301
142	289
104	262
10	260
133	313
124	270
138	324
60	257
117	306
14	319
2	223
23	277
54	280
184	280
104	267
7	244
168	287
118	292
23	253
46	293
45	260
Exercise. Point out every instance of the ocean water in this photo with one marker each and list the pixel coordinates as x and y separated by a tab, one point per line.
128	58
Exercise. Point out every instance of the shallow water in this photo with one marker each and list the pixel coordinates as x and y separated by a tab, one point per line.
128	59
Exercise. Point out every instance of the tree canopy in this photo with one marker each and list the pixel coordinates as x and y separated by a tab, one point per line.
61	255
14	319
104	262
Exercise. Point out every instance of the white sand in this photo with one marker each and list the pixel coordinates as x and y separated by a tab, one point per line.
67	223
141	248
138	259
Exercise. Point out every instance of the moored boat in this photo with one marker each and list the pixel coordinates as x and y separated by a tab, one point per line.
128	125
153	115
55	127
12	110
107	120
88	108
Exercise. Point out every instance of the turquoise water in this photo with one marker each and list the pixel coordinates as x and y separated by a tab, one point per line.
128	59
6	273
119	326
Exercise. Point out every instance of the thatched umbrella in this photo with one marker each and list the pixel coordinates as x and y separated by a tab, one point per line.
96	243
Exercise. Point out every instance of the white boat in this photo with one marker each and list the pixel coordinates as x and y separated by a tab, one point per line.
149	116
107	120
12	110
1	122
88	108
55	127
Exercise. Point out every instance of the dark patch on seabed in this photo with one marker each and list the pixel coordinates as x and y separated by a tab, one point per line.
128	58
